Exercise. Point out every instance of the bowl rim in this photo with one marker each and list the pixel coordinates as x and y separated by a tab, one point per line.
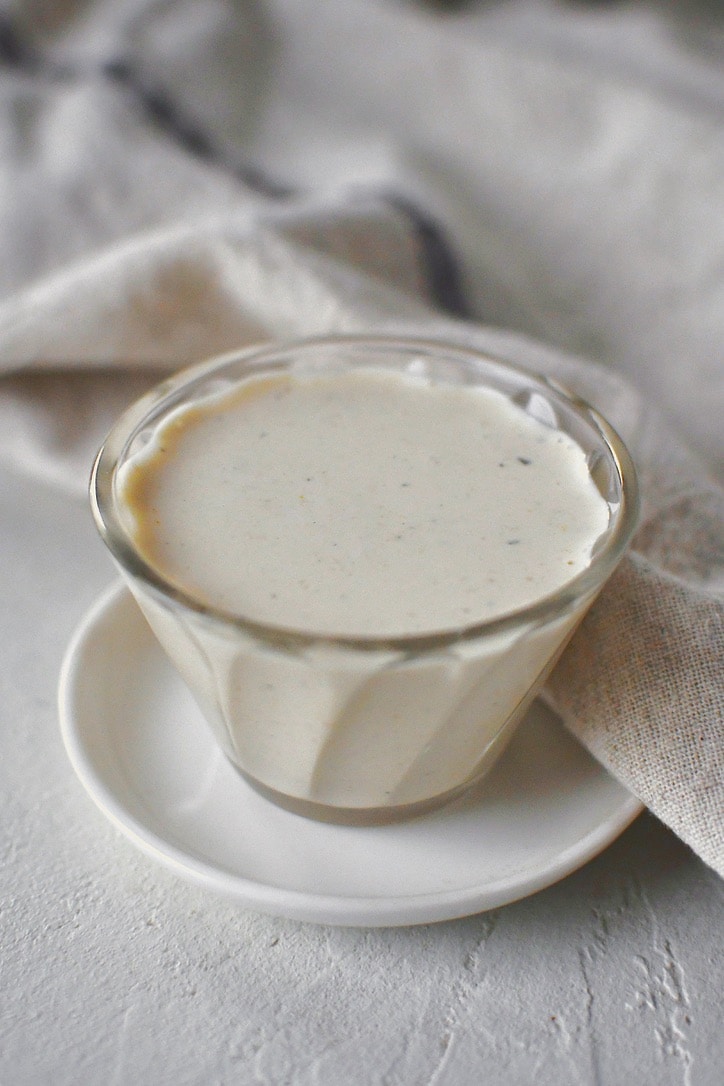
587	583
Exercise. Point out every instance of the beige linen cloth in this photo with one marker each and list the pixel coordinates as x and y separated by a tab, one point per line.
153	260
640	685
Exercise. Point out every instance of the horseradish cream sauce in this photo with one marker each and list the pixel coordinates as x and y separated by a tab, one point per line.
366	503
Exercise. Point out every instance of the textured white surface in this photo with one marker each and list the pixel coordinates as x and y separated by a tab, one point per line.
113	971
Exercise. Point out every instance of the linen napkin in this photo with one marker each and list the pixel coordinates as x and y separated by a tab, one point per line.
189	260
640	684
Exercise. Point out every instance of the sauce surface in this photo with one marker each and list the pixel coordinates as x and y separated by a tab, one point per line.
366	503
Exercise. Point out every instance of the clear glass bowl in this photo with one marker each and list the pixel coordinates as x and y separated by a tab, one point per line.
305	715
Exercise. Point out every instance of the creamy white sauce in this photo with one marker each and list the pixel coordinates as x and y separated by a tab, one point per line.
367	503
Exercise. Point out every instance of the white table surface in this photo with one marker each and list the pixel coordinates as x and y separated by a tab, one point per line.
114	971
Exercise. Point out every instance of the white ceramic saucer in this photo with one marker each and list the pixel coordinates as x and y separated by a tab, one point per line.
142	751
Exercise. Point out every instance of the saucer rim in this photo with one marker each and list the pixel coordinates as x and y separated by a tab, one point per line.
335	909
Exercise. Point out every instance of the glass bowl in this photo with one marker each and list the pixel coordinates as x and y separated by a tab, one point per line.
358	727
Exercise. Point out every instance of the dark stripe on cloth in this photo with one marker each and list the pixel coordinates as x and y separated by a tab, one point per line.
439	265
